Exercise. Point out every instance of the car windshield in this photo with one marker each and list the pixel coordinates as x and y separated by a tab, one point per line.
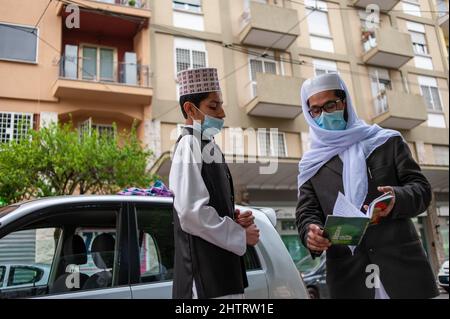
7	209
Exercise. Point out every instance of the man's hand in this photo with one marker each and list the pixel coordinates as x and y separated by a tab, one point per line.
252	235
315	239
244	219
388	209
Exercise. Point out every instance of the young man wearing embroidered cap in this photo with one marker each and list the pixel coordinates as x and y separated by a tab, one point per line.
361	161
210	235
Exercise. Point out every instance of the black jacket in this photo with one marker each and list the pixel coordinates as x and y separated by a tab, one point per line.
217	272
393	245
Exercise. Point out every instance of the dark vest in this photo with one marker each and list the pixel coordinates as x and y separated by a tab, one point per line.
217	272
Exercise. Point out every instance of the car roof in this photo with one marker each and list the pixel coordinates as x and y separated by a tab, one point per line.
23	208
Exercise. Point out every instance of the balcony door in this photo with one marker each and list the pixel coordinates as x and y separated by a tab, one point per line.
260	65
380	82
98	63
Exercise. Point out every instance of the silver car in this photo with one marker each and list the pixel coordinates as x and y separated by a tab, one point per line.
123	247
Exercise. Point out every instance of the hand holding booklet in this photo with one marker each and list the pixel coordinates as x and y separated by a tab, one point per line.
348	224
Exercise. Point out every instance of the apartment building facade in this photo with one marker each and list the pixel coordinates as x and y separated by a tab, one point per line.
120	67
397	74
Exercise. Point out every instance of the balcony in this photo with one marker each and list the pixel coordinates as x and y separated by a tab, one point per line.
385	5
399	110
103	80
277	32
275	96
137	8
387	47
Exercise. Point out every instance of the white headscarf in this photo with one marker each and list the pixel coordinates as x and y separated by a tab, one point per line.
353	145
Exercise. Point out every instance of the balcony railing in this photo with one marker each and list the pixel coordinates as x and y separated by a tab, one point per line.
77	68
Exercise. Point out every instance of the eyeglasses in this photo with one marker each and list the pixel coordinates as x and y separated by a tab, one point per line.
328	107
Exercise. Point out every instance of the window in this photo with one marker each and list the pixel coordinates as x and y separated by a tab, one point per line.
318	23
188	5
99	260
88	258
412	7
98	64
14	126
189	54
190	59
419	43
319	30
380	83
422	57
187	14
430	91
156	245
183	59
271	143
29	254
18	43
324	66
103	130
25	275
260	65
441	155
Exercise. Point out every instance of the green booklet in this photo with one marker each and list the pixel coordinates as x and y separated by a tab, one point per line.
345	230
348	224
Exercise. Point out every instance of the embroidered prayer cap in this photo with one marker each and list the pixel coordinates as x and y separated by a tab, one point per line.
321	83
202	80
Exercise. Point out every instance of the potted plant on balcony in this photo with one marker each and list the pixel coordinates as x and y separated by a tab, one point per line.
132	3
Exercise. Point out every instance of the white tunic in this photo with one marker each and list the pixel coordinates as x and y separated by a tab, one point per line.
192	198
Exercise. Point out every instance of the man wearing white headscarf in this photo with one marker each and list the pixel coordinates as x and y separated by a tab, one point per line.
361	161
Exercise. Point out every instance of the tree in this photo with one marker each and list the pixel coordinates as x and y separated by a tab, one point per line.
57	160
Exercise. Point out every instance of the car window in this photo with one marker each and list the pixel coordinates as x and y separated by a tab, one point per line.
156	245
92	266
24	275
251	259
66	251
29	253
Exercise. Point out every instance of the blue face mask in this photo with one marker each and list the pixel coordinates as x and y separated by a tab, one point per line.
211	125
332	121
